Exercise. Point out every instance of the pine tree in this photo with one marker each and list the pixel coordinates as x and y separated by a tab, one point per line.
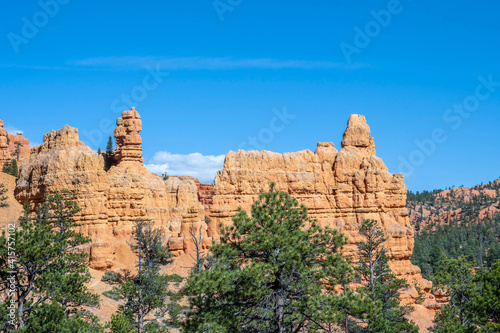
380	284
47	269
109	145
11	168
17	151
3	198
52	318
456	278
6	168
14	169
266	275
487	301
436	255
145	294
349	308
108	160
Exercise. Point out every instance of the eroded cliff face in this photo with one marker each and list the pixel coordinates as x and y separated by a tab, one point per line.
111	200
8	150
339	188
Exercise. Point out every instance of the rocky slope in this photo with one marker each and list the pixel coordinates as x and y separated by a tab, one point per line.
340	188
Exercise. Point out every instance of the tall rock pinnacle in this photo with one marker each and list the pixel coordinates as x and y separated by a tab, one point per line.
128	140
112	199
339	188
357	133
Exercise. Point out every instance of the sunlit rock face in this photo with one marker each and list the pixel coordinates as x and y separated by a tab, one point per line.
112	200
339	188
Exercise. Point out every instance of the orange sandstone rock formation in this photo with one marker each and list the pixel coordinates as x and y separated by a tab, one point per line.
111	200
8	150
205	193
4	147
339	188
128	140
24	149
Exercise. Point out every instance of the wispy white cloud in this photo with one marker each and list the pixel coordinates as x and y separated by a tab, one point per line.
12	130
36	67
209	63
203	167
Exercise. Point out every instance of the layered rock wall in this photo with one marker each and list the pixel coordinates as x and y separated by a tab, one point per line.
339	188
112	200
205	194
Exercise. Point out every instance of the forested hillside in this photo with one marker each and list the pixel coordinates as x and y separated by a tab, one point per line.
455	222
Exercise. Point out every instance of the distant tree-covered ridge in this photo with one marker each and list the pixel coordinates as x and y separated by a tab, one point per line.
456	222
460	204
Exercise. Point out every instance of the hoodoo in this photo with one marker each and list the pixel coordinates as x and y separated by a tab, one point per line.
339	188
128	140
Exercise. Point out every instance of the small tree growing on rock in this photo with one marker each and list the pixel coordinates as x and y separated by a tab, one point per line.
108	159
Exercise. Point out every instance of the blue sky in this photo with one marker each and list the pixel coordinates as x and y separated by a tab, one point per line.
213	76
